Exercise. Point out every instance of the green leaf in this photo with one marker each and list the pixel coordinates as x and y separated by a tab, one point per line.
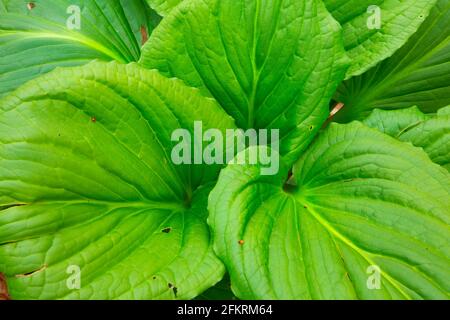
163	7
35	40
270	64
366	47
87	180
368	44
411	125
395	122
360	200
418	74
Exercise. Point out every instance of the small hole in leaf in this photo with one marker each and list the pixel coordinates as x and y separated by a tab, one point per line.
170	285
94	119
154	277
175	291
166	230
311	128
31	5
305	206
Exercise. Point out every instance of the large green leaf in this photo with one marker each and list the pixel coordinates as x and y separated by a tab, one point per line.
36	39
432	133
418	74
368	46
86	178
360	201
270	64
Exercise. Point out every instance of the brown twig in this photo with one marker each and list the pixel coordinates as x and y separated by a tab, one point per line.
4	295
337	107
144	35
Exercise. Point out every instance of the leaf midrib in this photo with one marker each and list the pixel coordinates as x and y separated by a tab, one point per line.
146	203
256	72
350	244
119	38
73	37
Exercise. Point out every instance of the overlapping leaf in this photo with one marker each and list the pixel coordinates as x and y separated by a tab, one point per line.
432	133
35	36
358	206
163	7
368	43
270	64
418	74
87	180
